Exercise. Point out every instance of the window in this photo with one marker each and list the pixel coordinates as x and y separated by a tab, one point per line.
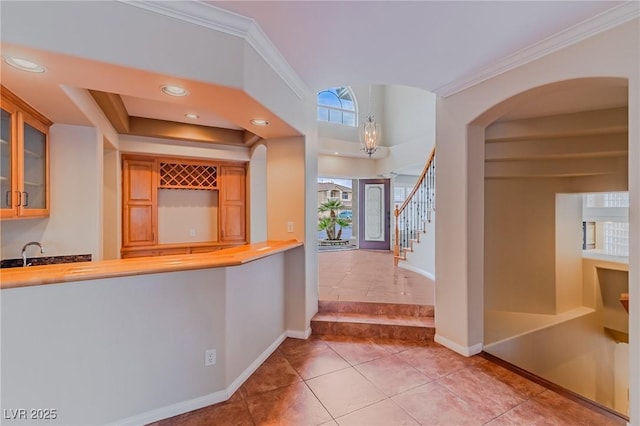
606	222
335	193
336	105
345	195
616	238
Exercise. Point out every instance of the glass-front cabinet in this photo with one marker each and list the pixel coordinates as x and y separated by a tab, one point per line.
24	166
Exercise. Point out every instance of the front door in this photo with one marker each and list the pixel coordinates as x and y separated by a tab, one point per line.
375	214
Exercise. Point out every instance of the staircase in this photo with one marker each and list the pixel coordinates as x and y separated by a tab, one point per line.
374	320
412	217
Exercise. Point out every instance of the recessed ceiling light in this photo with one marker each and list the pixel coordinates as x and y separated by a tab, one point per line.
24	65
170	90
192	116
336	153
259	122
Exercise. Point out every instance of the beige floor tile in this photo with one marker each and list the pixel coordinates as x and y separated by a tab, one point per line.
344	391
270	375
358	352
549	409
317	362
482	391
292	405
392	375
467	391
434	361
432	404
369	276
383	413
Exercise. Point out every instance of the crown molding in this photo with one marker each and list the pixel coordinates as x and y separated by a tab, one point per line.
218	19
602	22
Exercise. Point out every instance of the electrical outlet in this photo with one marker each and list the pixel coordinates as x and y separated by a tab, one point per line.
289	226
192	232
209	357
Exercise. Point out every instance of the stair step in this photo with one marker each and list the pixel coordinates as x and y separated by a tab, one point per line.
372	308
374	320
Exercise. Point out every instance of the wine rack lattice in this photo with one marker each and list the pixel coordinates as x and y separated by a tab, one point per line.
191	176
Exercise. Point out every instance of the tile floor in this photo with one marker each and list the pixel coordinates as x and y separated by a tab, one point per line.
369	276
333	380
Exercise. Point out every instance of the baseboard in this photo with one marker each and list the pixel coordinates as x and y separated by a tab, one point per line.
304	335
235	385
404	265
174	409
462	350
210	399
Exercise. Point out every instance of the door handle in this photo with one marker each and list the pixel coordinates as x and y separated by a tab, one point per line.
19	198
26	198
8	199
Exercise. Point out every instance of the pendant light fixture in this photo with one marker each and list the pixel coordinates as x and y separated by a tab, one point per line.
369	132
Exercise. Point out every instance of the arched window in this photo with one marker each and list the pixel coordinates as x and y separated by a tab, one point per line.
336	105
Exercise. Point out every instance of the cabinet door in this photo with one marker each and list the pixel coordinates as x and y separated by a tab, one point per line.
8	169
140	203
232	204
34	167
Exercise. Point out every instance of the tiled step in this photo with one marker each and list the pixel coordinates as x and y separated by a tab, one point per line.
374	320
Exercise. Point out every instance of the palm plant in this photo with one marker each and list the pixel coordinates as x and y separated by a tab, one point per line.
341	223
328	223
325	224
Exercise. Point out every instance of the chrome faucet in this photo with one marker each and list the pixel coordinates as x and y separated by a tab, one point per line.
24	251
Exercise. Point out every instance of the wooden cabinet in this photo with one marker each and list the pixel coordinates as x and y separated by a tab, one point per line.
232	203
143	177
140	208
24	153
168	249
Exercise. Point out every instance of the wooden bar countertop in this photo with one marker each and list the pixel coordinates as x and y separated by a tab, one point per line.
68	272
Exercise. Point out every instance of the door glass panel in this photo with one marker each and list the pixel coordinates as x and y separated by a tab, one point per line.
34	168
375	214
5	160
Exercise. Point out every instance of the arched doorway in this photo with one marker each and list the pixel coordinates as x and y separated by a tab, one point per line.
547	308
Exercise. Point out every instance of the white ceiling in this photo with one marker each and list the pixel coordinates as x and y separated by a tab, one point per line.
440	46
426	44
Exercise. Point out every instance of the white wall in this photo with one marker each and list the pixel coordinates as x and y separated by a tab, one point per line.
73	226
572	349
94	38
410	117
407	118
575	354
519	245
131	350
568	251
257	193
346	167
175	148
105	350
256	315
286	189
187	215
111	218
461	119
422	259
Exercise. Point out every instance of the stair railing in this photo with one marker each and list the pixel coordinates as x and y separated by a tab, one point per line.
411	218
